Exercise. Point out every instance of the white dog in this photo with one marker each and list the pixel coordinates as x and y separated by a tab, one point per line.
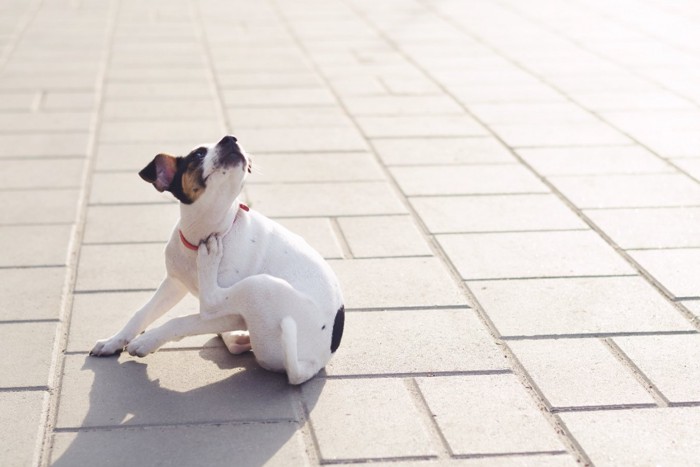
258	284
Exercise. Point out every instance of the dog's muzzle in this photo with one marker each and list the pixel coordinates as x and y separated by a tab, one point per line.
229	153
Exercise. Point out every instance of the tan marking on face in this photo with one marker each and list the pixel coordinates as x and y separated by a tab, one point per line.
192	182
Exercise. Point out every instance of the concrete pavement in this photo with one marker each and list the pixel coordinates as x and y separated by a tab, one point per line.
509	192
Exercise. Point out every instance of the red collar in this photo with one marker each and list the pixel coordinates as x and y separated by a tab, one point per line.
193	247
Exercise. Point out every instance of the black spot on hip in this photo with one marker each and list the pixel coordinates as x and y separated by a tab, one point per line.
338	326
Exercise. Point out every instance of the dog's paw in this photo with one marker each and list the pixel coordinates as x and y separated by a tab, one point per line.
211	247
237	342
144	344
107	347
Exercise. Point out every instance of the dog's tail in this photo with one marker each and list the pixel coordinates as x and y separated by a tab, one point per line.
297	371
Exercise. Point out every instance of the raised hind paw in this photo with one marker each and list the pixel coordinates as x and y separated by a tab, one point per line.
237	342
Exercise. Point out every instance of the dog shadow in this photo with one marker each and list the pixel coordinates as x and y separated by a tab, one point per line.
151	412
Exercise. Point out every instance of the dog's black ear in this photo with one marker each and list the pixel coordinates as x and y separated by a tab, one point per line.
160	172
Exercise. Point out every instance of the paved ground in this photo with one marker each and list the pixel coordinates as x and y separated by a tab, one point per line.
509	192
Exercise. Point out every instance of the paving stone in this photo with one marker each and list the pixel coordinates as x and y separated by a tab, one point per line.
61	100
252	79
379	419
504	420
307	139
694	307
489	92
271	117
132	156
671	362
532	254
19	428
594	160
456	214
650	228
559	134
325	199
665	436
46	245
436	151
43	145
579	373
121	267
277	168
691	166
629	191
26	351
274	444
576	306
274	97
412	126
182	91
122	188
674	269
100	315
524	112
42	173
396	282
402	105
37	122
168	110
130	224
216	387
189	131
318	233
467	180
621	100
32	293
17	100
464	343
370	237
38	206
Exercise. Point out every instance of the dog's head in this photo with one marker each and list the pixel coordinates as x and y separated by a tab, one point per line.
208	174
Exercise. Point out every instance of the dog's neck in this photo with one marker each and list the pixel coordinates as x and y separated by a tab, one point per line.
196	225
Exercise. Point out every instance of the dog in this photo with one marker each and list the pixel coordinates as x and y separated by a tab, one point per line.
260	286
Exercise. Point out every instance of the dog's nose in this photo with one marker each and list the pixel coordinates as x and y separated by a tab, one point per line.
227	140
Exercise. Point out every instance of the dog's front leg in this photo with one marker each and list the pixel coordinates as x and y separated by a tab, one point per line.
208	260
169	293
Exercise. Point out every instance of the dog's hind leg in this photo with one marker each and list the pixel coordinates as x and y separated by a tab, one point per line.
297	371
237	342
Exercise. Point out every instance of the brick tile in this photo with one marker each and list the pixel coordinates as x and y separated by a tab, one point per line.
119	188
45	173
17	100
690	165
112	267
276	168
402	105
532	254
134	156
19	428
675	269
467	180
651	190
524	112
434	151
638	437
505	420
257	79
672	363
190	131
357	85
694	307
182	91
383	236
650	228
410	86
33	293
46	245
272	97
621	100
325	199
100	315
43	144
37	122
379	419
576	306
316	232
189	109
579	373
464	343
476	213
396	282
559	134
593	160
61	100
125	224
489	92
301	139
25	364
273	444
267	117
216	387
412	126
38	206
